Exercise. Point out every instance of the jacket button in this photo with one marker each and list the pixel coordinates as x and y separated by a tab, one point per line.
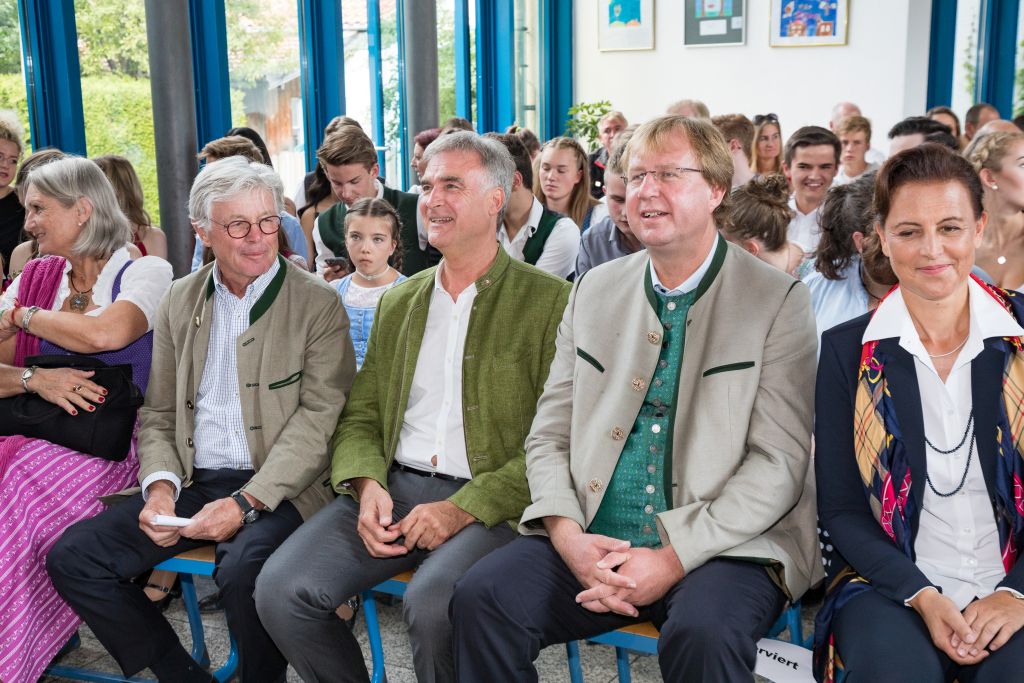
595	485
188	404
197	321
638	384
618	433
653	337
188	442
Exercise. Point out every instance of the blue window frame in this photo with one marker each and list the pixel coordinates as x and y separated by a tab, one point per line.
323	69
210	69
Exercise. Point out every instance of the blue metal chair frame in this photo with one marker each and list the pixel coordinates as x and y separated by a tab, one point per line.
623	641
626	642
186	567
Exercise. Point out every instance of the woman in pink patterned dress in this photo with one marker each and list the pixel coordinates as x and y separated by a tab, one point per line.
86	296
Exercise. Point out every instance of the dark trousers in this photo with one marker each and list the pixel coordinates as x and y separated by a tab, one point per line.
93	562
879	639
521	598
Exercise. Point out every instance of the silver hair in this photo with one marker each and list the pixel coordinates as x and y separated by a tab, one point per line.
72	178
494	157
227	178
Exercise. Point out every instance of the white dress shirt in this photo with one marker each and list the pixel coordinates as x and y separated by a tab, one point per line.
219	434
690	283
957	544
432	437
560	249
804	228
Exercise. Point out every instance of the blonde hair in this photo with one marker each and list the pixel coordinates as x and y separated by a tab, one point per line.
580	201
707	142
11	130
125	181
754	159
231	146
854	124
989	150
347	145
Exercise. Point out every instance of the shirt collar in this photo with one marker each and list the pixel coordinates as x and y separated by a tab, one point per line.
380	188
691	282
799	213
988	319
256	287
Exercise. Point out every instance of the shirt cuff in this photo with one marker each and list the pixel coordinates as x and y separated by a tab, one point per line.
161	476
1016	593
926	588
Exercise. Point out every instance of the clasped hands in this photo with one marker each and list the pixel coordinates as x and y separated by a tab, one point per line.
426	526
615	577
968	637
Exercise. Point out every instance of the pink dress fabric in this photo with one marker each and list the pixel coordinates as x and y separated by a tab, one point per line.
44	489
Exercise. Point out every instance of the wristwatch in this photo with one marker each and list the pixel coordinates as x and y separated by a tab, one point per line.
249	513
26	375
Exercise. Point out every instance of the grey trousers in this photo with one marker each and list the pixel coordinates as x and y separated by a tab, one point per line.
325	562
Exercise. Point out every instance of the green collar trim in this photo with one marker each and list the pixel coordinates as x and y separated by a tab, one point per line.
498	267
262	304
705	282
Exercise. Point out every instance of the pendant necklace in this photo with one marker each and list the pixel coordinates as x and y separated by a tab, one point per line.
80	300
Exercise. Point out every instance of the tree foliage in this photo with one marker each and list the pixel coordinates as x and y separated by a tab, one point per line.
10	41
112	37
583	120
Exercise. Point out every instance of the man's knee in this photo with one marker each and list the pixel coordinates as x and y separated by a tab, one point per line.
67	557
425	608
476	591
282	589
704	634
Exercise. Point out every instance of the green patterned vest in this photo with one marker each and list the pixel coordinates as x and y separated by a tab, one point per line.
641	486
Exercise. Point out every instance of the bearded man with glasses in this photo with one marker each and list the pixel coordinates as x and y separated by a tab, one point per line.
668	458
252	363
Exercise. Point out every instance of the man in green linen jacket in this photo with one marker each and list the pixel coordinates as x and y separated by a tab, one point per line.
429	449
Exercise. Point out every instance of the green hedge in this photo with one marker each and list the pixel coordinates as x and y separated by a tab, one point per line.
118	120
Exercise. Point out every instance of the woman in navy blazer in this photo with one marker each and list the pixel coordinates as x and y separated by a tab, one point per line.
919	437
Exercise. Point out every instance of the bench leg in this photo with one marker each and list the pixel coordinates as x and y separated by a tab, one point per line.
195	620
622	664
572	656
373	632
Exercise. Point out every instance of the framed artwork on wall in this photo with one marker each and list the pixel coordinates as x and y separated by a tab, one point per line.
805	23
625	25
714	22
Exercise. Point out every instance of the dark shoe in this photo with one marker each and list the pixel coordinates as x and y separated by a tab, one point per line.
211	603
169	593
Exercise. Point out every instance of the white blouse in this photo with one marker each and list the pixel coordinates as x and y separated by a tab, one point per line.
144	284
957	544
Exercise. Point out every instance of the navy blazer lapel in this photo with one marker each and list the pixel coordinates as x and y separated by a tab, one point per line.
986	381
901	378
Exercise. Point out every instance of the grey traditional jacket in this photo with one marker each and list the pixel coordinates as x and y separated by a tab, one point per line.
741	437
295	367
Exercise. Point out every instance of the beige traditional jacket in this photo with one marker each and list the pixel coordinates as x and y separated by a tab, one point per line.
741	438
295	367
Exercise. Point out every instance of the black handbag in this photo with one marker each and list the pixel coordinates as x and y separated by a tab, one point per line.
104	433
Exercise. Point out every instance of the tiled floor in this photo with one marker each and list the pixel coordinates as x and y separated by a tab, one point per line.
598	661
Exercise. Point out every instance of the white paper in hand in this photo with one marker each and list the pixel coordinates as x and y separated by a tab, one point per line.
168	520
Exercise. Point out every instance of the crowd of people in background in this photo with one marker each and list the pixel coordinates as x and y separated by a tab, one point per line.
554	381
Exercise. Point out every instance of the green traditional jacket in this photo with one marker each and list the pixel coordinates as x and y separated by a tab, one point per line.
508	352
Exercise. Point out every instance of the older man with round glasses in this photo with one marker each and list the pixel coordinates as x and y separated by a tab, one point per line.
252	363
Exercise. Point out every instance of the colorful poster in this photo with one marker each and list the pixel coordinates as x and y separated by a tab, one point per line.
808	22
626	25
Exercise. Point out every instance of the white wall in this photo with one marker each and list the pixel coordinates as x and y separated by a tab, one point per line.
883	67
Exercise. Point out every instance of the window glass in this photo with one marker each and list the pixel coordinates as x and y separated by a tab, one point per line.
527	64
12	78
392	170
266	91
116	97
1018	79
357	64
965	51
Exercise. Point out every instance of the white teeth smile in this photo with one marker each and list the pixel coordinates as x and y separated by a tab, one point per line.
440	220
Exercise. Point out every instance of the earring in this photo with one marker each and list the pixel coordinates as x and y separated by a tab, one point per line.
995	187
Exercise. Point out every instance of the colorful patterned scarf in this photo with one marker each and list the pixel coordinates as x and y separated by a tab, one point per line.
885	471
